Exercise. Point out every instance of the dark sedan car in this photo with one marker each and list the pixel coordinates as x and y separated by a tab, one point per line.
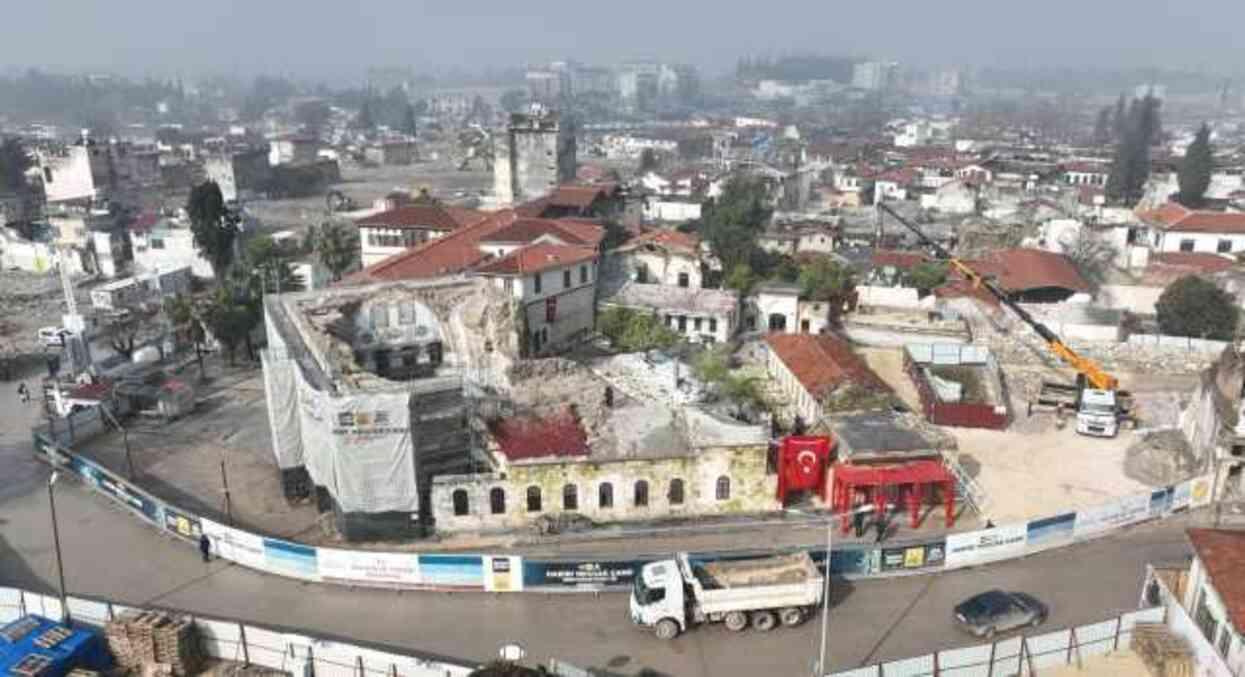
998	611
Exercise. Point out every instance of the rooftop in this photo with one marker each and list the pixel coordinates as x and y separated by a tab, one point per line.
1020	270
1178	218
424	216
823	362
668	298
530	437
1222	552
526	229
687	243
875	436
537	257
448	255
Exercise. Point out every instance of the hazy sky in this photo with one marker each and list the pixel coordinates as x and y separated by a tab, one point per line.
339	39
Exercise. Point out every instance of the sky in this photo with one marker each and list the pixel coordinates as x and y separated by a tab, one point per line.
338	40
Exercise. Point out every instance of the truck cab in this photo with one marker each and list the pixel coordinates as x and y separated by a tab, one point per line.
1098	413
658	600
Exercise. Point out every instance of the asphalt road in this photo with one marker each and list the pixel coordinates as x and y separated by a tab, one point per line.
108	554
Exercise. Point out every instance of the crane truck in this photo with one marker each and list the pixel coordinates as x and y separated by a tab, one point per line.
1096	397
674	594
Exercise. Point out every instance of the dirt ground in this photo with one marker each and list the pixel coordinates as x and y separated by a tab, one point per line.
1116	664
888	364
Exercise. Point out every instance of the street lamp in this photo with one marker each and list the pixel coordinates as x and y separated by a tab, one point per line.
56	541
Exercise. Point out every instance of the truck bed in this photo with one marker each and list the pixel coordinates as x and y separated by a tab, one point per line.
766	571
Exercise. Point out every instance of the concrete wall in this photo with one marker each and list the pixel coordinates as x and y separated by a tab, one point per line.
762	305
176	250
67	176
1137	299
670	210
575	307
799	401
889	297
1202	242
698	325
219	168
751	489
898	335
662	267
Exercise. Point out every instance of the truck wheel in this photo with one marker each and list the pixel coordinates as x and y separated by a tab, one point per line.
736	621
791	616
764	621
666	629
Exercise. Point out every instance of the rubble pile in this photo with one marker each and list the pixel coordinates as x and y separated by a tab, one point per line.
1162	458
28	301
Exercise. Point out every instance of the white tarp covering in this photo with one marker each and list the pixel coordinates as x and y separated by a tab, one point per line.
287	440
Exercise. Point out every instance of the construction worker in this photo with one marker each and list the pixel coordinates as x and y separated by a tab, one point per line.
205	547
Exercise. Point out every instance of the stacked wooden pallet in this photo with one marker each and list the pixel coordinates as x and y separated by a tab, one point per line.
1165	654
155	642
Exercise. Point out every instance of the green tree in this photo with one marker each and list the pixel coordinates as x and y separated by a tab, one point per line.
1102	127
14	161
508	669
712	365
740	278
1195	171
823	279
1130	167
649	160
187	325
336	244
231	316
927	275
632	331
213	227
1192	306
269	267
731	223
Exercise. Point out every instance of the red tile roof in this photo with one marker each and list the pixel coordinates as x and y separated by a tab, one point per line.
568	231
447	255
1020	270
957	288
896	259
534	437
1202	262
823	362
672	239
1180	219
1222	553
580	197
537	257
1087	168
431	217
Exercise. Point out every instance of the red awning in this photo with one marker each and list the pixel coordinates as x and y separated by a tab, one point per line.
915	472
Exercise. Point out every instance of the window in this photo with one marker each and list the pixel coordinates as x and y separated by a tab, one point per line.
461	507
675	494
406	313
1186	245
1224	247
533	499
641	494
583	274
1205	621
682	323
380	316
157	243
536	283
497	501
1225	640
804	326
605	495
713	325
566	279
723	489
47	175
684	281
551	309
641	274
696	324
669	320
570	497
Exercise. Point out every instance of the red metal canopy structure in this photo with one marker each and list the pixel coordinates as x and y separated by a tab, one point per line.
913	482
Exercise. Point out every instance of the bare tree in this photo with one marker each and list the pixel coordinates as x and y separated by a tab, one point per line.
1092	254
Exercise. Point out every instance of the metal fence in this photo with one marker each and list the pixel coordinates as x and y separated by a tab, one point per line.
232	640
1024	655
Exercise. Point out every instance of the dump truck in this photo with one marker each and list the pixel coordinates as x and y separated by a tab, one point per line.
675	594
1098	412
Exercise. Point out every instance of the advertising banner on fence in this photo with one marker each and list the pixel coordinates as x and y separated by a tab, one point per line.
1200	491
503	574
538	574
911	557
1161	502
182	523
360	567
236	546
115	489
1050	531
458	572
849	560
1125	511
987	545
290	559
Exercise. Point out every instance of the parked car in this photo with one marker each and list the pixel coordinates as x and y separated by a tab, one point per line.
53	337
996	611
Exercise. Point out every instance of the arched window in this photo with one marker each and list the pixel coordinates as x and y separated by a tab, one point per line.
533	499
641	494
676	492
497	500
605	495
461	507
723	489
570	497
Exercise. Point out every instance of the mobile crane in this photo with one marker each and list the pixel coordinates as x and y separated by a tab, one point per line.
1096	398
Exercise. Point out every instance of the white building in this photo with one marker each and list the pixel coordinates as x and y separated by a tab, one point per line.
393	231
555	286
699	315
167	245
663	257
914	134
292	149
670	209
874	75
810	368
1175	228
66	172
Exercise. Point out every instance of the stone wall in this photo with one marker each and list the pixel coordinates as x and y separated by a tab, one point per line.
751	489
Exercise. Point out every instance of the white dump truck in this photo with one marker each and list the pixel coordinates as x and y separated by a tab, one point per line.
672	595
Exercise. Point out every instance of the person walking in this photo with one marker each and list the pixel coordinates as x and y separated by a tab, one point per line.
880	526
205	548
22	393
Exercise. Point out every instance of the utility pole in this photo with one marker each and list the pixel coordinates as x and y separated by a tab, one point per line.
56	541
224	480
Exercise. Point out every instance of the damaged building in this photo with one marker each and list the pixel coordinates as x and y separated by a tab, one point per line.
366	391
